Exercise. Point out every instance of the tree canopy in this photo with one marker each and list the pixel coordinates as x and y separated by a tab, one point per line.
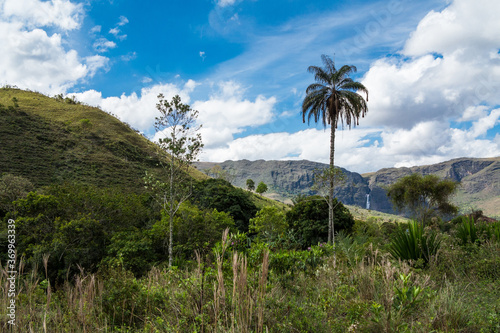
423	196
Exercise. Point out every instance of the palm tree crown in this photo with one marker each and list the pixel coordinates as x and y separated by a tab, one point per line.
334	96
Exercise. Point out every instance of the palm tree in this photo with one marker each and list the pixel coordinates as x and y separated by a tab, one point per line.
333	99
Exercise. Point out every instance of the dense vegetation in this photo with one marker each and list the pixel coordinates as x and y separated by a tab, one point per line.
93	256
98	256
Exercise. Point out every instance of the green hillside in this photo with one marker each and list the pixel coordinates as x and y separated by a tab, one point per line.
53	140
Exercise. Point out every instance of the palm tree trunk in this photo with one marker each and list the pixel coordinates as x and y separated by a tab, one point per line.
331	229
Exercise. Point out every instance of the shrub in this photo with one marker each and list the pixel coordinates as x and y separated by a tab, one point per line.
467	231
309	220
410	243
269	223
221	195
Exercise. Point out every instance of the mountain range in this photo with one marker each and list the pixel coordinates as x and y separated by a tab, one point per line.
55	140
479	181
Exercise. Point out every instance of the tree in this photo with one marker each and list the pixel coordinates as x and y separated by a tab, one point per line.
309	220
221	195
334	100
261	188
180	147
423	196
269	223
250	185
12	188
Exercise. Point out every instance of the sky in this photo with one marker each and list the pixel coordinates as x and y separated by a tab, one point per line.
432	69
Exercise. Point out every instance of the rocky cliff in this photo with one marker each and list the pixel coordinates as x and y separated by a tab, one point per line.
479	178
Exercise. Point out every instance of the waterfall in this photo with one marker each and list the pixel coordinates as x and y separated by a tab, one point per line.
368	201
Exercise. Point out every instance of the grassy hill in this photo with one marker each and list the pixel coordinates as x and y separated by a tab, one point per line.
53	140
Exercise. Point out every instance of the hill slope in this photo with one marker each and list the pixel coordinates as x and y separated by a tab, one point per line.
50	140
480	181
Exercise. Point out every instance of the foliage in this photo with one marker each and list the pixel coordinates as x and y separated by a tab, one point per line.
72	225
250	185
180	146
411	243
309	220
423	196
466	231
221	195
12	188
269	223
261	188
198	230
218	173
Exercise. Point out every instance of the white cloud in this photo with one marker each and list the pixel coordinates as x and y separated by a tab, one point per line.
473	113
34	60
129	56
95	63
31	58
426	87
224	3
114	31
472	24
34	13
103	45
123	21
227	112
95	29
137	110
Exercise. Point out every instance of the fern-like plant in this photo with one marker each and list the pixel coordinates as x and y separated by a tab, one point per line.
411	243
467	231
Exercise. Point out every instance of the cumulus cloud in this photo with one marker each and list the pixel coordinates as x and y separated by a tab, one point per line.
454	66
103	45
35	13
227	112
33	59
139	110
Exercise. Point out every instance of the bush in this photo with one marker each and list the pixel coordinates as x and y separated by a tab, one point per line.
221	195
467	231
410	243
309	220
269	223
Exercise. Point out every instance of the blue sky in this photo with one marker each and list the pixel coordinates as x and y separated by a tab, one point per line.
432	68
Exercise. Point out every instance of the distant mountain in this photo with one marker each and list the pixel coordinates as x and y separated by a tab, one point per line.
480	181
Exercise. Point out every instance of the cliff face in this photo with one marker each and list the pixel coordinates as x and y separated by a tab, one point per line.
479	178
290	178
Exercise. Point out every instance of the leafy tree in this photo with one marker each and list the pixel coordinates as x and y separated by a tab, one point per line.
261	188
199	229
180	147
221	195
423	196
269	222
12	188
250	185
74	224
334	100
309	220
